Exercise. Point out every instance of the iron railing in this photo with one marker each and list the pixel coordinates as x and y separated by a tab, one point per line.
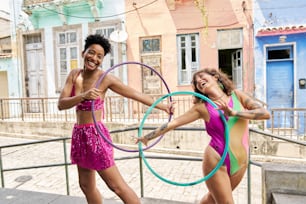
289	122
116	109
66	163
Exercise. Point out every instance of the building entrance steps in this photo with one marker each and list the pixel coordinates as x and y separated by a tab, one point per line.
285	198
14	196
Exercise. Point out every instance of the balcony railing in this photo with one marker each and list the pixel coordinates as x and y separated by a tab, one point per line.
289	122
117	109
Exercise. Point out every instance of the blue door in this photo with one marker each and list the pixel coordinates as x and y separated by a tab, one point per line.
280	93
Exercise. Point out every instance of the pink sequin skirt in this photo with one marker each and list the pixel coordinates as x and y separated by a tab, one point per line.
89	150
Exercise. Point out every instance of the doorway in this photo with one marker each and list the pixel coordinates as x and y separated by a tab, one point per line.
230	62
280	78
34	72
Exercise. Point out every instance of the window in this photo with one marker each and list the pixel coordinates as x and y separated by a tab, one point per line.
280	53
188	57
150	52
237	68
67	52
230	44
5	45
151	45
32	39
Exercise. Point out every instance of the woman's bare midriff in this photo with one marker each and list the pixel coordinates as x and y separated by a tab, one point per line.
85	117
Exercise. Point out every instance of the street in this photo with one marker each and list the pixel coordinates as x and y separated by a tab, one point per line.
52	179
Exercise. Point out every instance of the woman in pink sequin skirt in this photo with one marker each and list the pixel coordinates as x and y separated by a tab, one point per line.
89	151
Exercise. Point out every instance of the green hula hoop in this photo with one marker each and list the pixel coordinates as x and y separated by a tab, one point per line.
226	135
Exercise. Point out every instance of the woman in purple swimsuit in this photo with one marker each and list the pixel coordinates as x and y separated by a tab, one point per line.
238	109
90	151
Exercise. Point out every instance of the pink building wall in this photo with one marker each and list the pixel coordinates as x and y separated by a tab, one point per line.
171	17
153	20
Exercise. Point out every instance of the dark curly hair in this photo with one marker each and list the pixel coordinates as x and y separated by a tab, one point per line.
223	80
97	39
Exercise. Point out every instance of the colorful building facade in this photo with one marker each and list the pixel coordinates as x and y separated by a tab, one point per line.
190	35
174	37
7	71
55	44
279	49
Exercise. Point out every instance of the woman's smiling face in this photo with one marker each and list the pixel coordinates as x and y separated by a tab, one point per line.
93	56
204	81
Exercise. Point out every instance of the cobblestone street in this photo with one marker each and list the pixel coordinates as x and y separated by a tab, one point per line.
52	179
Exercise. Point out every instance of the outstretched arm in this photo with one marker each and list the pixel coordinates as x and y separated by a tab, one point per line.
155	133
117	86
196	112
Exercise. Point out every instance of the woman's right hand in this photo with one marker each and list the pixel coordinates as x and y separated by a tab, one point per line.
91	94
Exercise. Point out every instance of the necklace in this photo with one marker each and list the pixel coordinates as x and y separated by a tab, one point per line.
217	98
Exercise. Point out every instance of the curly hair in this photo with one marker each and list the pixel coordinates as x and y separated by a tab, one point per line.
98	39
223	80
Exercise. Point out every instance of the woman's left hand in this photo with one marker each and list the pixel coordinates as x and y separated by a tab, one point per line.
170	108
227	111
141	139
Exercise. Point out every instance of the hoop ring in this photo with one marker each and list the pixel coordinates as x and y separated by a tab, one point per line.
92	105
226	135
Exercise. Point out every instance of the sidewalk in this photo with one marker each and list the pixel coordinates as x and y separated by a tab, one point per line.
52	179
13	196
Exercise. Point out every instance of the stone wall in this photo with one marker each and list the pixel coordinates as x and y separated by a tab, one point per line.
177	140
267	146
185	141
281	178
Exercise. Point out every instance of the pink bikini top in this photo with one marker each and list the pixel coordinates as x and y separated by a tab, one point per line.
86	105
